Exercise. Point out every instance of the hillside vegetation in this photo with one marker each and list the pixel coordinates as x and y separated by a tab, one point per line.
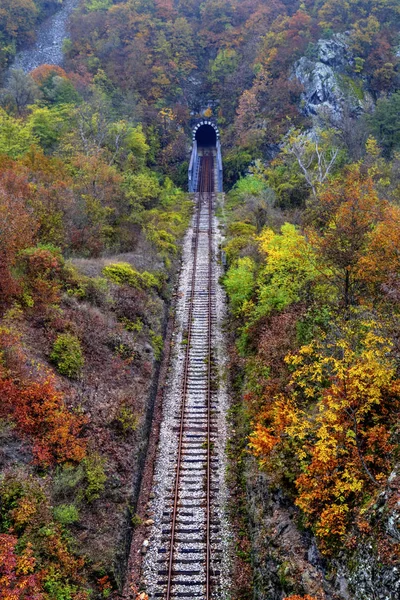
93	161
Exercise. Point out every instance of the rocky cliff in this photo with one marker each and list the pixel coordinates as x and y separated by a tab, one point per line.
325	77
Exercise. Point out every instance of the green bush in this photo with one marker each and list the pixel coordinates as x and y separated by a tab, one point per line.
236	246
66	514
68	479
56	588
248	186
157	343
164	241
67	355
95	476
125	274
239	228
239	283
127	419
84	482
134	326
136	520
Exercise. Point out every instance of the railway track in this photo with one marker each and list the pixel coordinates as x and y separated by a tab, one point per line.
187	545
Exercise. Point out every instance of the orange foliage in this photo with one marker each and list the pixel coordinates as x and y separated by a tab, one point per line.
333	429
17	19
39	411
44	72
347	213
35	550
383	257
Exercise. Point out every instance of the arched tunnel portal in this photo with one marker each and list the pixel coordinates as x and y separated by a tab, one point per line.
206	136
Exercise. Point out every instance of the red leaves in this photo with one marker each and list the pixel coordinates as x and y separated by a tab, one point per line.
17	578
39	411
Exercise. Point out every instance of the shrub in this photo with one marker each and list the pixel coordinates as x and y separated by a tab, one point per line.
36	560
42	267
38	410
164	242
17	577
97	291
237	247
125	352
136	520
95	476
66	514
157	344
239	283
239	228
134	326
125	274
82	482
67	355
68	479
127	419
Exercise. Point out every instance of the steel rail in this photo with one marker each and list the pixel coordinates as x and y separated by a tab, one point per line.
209	390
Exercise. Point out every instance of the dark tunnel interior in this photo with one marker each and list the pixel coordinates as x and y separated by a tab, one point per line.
206	136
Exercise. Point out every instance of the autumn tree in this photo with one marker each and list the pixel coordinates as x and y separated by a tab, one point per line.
41	268
17	229
17	19
290	266
335	423
42	73
379	266
18	579
344	217
15	135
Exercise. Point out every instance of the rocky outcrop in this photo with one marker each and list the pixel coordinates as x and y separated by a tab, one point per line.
324	76
286	560
374	569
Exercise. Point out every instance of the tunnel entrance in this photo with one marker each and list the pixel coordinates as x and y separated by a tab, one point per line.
206	136
206	142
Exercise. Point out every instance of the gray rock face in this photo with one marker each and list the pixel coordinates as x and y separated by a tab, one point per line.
369	577
50	37
321	76
287	561
370	580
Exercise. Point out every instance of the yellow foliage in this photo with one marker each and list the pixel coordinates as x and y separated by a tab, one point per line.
333	424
